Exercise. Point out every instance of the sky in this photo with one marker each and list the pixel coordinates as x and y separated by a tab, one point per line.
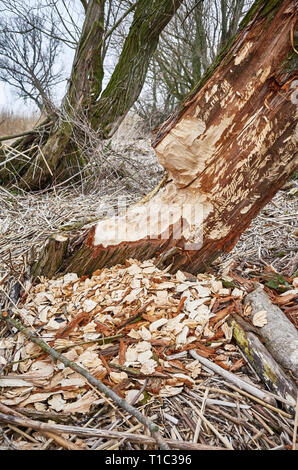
7	100
8	97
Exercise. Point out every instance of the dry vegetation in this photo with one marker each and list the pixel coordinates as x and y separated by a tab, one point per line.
15	123
207	410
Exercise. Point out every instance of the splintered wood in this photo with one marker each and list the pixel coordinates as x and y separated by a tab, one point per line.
123	324
138	329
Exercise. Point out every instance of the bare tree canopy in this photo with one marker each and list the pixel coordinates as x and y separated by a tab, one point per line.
28	59
187	47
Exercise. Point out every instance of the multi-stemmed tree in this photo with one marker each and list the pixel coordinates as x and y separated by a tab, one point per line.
50	151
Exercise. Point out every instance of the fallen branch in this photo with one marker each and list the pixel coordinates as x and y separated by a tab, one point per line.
210	425
51	257
269	371
153	428
49	434
101	433
264	396
279	334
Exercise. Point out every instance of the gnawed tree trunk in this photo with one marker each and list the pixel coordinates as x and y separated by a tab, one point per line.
227	151
53	155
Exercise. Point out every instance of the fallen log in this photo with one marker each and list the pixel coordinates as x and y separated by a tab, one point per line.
268	370
279	334
101	433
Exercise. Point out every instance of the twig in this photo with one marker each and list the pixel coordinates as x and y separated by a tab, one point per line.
91	379
137	373
14	136
90	432
59	439
264	396
135	399
45	160
258	400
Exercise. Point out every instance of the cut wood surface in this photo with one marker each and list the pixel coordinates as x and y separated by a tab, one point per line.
227	151
279	334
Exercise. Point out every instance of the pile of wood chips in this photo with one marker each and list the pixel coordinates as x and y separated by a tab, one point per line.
125	325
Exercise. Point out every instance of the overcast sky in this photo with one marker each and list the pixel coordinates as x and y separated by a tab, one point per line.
8	97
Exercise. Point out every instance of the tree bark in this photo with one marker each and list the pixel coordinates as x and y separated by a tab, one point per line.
58	157
279	334
227	151
269	371
51	257
127	80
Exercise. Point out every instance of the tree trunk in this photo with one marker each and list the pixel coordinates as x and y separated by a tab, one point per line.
51	258
54	156
227	151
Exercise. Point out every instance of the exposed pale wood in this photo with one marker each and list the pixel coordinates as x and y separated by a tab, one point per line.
227	151
279	335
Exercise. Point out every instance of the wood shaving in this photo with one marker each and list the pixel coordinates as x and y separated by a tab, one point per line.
260	318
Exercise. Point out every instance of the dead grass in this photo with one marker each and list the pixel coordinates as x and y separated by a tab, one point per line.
28	219
148	361
15	123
